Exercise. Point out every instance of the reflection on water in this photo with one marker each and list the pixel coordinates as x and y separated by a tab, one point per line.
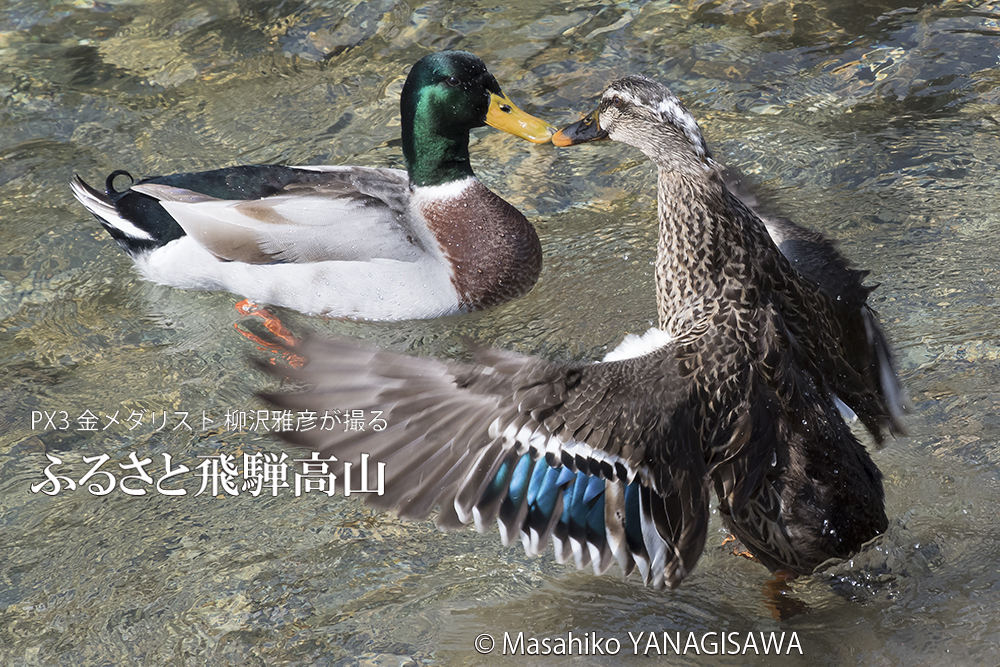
875	123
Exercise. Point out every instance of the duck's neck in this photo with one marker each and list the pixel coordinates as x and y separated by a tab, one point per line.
692	249
435	155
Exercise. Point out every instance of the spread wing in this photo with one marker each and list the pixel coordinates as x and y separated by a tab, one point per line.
599	458
867	381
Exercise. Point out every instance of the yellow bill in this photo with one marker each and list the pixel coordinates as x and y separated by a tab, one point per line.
504	115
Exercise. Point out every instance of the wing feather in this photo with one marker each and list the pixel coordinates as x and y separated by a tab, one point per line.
516	440
311	215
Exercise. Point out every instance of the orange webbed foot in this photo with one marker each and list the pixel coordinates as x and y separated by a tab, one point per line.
287	342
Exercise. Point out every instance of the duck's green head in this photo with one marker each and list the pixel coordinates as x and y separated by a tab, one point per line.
446	95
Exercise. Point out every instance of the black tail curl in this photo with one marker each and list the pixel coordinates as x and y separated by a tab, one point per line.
109	182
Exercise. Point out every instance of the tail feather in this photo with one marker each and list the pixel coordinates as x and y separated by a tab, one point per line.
892	392
137	222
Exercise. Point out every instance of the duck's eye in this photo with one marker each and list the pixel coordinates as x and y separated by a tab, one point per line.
452	81
617	102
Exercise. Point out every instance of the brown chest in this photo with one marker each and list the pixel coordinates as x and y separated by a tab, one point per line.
493	250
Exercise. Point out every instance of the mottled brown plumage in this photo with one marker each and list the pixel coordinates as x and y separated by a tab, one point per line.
781	345
737	390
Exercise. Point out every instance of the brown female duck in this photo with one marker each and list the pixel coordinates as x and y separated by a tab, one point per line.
737	390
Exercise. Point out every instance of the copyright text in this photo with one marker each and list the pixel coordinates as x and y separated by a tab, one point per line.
642	643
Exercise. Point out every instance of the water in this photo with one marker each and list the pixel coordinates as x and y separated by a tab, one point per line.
876	123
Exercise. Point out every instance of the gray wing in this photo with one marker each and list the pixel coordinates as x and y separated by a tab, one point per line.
321	214
457	434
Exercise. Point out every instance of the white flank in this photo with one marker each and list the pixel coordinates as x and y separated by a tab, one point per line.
633	346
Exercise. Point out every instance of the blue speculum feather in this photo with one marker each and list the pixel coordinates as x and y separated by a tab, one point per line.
519	480
594	496
535	484
499	482
539	485
579	508
595	487
548	493
565	476
633	525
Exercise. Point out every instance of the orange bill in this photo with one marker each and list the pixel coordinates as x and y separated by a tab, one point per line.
582	131
504	115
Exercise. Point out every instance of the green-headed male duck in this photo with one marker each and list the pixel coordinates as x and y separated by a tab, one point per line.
379	244
741	388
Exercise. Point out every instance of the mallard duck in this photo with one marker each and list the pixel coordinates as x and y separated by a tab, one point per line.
379	244
738	389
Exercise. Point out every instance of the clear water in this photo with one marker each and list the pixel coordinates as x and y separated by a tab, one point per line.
877	123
